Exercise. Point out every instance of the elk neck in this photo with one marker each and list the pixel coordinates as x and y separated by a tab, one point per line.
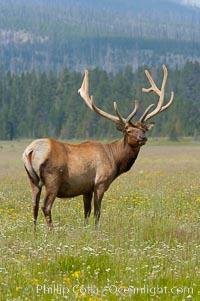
122	155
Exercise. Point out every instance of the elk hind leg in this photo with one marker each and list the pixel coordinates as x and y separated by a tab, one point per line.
46	207
87	199
36	199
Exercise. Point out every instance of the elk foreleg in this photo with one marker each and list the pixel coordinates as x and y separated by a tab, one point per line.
98	195
47	205
87	200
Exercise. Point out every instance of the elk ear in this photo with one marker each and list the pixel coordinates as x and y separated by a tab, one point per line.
149	126
120	126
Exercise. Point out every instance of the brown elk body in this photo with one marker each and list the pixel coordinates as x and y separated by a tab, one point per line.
88	169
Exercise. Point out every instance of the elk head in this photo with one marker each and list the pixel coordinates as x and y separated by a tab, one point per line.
134	133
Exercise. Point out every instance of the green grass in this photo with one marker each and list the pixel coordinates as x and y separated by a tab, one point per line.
147	248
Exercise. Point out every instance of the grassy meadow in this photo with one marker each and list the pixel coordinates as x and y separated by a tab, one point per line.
147	248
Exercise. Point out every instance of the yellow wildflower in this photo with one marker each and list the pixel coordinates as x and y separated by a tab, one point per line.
76	274
68	281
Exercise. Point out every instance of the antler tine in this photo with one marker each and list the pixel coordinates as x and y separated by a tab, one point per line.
142	118
84	92
169	103
118	114
153	85
128	119
160	93
164	77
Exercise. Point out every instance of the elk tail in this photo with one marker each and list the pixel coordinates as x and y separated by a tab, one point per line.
27	159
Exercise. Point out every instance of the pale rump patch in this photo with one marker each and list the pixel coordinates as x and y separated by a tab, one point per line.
35	154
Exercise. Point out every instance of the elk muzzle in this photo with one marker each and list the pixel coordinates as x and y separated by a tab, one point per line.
142	139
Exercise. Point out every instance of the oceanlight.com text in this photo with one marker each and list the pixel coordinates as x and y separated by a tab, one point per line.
93	290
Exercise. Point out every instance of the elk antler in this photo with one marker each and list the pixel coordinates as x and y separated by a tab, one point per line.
160	93
84	92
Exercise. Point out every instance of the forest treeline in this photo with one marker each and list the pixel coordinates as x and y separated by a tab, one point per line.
43	104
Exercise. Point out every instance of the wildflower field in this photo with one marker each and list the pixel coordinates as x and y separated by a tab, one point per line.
147	248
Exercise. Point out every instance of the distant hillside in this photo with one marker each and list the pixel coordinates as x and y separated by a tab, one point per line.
109	34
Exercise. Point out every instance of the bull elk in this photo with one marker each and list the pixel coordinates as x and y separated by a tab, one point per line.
88	169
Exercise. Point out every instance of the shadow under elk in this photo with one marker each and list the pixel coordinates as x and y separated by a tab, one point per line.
88	169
